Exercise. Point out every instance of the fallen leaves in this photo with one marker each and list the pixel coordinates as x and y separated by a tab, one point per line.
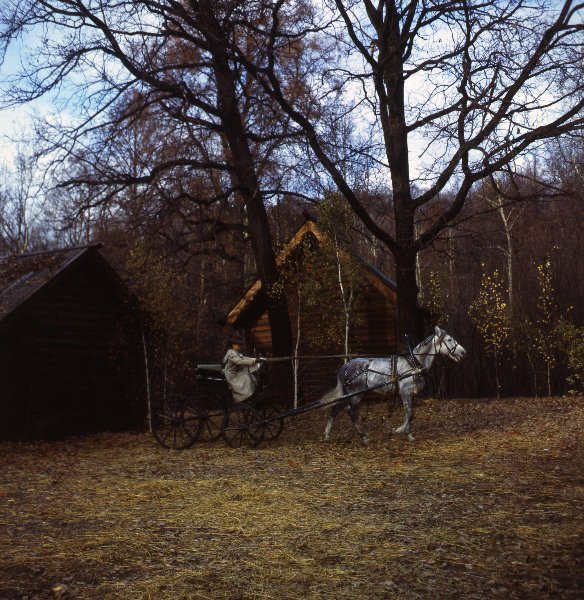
487	503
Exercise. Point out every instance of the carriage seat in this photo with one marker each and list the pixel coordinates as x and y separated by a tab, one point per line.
211	367
210	372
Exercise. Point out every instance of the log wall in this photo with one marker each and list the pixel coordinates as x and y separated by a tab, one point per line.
373	332
71	360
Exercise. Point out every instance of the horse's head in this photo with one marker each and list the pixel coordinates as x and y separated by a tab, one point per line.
446	345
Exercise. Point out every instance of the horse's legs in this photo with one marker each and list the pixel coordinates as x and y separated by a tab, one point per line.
353	410
335	410
406	426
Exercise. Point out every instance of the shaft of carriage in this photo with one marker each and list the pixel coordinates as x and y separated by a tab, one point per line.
210	413
254	424
207	414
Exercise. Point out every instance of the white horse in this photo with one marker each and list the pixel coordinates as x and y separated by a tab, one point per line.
404	375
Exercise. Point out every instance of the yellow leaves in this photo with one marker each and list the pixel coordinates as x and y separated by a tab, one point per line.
544	337
58	591
432	298
545	301
490	312
276	290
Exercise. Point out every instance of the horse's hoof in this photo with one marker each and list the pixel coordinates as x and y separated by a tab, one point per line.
411	438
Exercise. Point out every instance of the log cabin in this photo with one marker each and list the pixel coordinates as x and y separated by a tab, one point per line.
372	322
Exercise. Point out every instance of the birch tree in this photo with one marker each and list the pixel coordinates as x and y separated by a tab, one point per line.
20	204
335	219
491	316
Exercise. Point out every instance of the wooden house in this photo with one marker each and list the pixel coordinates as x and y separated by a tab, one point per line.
70	354
373	328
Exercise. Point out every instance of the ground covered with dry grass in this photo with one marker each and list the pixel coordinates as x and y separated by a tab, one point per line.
488	502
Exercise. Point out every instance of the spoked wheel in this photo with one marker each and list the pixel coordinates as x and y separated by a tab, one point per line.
270	424
193	420
214	421
239	429
176	424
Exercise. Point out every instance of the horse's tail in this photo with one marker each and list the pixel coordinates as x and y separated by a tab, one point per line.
331	395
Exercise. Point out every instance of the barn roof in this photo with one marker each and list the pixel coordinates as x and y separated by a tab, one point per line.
380	281
24	275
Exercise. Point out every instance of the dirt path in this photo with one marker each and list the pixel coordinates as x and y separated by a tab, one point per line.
487	503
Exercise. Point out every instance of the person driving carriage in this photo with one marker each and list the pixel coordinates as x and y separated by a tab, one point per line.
239	370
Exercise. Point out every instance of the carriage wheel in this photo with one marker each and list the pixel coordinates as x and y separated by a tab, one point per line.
214	421
193	420
238	430
175	424
272	429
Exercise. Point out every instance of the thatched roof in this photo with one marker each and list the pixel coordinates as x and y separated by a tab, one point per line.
380	281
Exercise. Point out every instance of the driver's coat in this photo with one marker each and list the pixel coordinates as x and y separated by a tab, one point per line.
239	372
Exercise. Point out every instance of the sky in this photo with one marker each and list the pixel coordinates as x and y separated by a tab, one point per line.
12	120
16	123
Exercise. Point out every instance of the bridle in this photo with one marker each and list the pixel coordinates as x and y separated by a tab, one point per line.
451	351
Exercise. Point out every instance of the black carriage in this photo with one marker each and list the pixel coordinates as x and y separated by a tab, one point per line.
209	413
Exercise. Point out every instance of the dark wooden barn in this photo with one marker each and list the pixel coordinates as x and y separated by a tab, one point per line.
70	352
374	325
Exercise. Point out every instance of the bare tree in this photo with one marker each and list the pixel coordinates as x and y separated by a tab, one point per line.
447	94
172	59
508	215
19	204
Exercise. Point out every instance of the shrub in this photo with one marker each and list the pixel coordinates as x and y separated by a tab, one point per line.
572	338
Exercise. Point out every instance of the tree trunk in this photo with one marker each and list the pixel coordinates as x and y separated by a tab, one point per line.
409	321
244	172
497	374
146	378
409	316
295	363
346	299
533	370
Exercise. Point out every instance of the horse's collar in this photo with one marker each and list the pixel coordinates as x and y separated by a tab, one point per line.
413	361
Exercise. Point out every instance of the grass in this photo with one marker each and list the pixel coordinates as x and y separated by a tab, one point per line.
488	502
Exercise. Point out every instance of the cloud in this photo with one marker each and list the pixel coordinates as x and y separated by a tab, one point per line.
15	127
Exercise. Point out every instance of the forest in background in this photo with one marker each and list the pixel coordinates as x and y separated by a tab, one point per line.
194	137
523	339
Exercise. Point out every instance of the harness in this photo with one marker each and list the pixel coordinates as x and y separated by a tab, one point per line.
394	378
413	362
450	352
411	359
